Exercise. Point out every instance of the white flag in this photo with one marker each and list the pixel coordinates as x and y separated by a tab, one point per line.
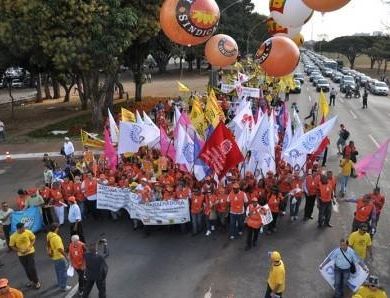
133	135
308	143
185	149
263	145
114	131
244	140
176	116
244	115
288	135
138	118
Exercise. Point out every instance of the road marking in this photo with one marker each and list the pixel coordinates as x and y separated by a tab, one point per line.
353	114
73	291
374	141
310	98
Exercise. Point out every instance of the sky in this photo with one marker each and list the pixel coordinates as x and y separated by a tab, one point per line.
358	16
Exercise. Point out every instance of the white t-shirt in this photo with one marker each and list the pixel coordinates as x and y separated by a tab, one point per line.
4	214
68	148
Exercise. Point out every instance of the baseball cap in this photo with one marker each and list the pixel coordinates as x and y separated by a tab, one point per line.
3	282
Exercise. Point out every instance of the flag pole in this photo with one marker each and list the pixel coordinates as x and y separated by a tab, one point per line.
377	179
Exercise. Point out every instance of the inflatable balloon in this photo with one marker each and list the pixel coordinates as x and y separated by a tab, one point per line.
274	28
221	50
290	13
189	22
298	39
326	6
278	56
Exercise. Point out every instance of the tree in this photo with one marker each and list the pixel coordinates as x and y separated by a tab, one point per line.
162	49
243	24
349	46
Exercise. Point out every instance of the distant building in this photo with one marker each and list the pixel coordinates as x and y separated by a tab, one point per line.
378	33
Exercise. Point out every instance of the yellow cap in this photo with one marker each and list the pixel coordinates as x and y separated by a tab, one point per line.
275	256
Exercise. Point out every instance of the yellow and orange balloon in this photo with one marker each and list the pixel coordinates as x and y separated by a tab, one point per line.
278	56
298	39
221	50
326	6
274	28
290	13
189	22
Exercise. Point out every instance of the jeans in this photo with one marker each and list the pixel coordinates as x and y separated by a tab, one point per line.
294	208
209	224
236	224
309	206
272	224
7	232
344	182
341	277
82	209
100	284
61	266
324	213
252	236
222	216
196	222
28	264
332	100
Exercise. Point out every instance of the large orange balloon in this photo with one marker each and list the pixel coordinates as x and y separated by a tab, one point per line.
278	56
325	6
189	22
221	50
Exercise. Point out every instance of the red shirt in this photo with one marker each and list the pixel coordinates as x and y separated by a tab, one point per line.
197	204
77	255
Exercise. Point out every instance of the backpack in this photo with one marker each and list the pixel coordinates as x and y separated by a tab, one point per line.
345	134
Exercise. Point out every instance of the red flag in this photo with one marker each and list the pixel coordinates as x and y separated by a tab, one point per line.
325	143
220	152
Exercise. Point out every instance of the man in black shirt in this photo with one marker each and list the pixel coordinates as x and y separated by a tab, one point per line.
95	271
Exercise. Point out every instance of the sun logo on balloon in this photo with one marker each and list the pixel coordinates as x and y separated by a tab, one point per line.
203	17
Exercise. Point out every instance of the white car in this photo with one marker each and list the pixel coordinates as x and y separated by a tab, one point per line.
379	88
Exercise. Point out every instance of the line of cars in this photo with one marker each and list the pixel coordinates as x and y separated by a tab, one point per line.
16	76
319	69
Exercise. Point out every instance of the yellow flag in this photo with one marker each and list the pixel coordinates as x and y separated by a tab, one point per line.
91	141
324	108
197	117
127	116
213	112
182	88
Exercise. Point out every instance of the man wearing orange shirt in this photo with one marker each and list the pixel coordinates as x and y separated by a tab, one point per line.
222	206
197	202
296	196
325	197
237	200
310	187
274	201
67	188
79	195
77	260
58	202
379	201
365	213
209	211
89	189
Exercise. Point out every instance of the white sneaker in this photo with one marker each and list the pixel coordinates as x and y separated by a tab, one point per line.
212	228
67	288
208	233
283	213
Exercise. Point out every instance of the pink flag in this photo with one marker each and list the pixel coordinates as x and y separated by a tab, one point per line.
184	121
166	145
373	163
109	151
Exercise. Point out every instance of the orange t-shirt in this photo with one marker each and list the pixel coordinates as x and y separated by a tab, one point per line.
222	203
237	202
67	189
274	202
77	255
21	202
197	204
77	192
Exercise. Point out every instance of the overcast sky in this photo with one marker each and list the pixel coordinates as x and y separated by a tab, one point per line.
359	16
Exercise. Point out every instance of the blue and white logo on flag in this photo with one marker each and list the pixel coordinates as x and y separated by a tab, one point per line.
31	217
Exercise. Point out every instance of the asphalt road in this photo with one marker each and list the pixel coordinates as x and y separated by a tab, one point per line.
170	264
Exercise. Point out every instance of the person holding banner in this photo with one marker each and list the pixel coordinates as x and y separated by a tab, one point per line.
345	260
253	223
22	241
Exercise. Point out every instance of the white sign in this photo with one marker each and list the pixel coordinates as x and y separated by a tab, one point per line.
226	88
249	92
153	213
355	280
267	217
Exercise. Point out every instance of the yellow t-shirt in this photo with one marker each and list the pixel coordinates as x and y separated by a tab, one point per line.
359	243
277	275
346	167
366	292
23	241
54	243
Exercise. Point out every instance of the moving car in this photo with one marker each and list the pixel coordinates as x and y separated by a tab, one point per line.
16	83
379	88
323	85
316	79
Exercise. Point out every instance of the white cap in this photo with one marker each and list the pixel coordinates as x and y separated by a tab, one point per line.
66	139
75	238
144	179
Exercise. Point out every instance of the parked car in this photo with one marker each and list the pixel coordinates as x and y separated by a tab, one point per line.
327	72
316	79
336	77
379	88
323	85
347	80
300	77
17	83
314	74
297	88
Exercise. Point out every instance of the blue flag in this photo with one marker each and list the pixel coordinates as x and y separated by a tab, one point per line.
31	217
201	170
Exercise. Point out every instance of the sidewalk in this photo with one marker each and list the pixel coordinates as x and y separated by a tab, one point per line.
39	155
